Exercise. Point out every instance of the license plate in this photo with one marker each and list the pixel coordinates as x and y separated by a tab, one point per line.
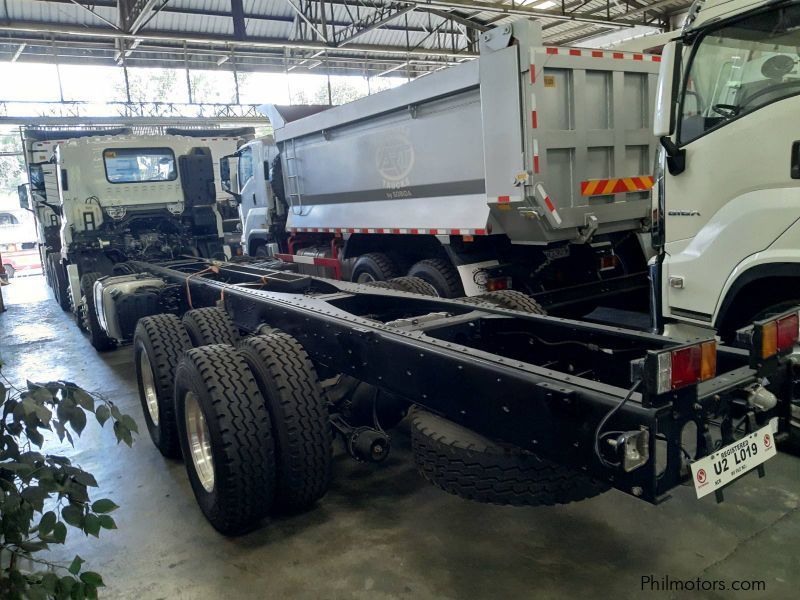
716	470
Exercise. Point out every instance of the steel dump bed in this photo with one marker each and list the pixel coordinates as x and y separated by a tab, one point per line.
535	142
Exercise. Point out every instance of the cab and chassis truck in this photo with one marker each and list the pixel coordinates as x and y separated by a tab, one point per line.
249	370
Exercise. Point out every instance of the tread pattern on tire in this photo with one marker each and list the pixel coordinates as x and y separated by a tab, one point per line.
60	283
382	261
462	462
245	477
97	336
165	340
515	300
210	325
446	270
300	421
413	285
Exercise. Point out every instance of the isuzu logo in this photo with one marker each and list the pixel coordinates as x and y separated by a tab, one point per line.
683	213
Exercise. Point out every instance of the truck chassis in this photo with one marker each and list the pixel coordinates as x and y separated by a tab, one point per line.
533	383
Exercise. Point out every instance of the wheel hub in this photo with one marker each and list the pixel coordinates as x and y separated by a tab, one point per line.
199	442
148	383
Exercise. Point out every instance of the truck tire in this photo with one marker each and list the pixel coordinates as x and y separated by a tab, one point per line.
210	325
374	266
300	423
97	336
513	299
158	344
413	285
464	463
440	274
226	438
60	284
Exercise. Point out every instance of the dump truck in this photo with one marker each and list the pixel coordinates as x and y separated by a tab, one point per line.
527	168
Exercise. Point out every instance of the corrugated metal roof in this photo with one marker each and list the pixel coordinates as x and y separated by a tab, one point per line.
276	20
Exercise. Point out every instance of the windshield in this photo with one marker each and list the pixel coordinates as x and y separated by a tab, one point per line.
739	68
135	165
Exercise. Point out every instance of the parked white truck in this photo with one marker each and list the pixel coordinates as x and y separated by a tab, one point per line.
727	203
125	197
528	167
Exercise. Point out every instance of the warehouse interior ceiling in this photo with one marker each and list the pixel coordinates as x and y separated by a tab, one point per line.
334	37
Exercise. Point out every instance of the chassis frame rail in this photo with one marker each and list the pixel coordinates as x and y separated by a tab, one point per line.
469	364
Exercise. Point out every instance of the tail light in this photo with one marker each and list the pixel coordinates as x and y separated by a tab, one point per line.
498	283
673	369
768	338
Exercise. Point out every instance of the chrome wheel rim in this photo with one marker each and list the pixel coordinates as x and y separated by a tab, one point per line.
149	386
199	442
365	278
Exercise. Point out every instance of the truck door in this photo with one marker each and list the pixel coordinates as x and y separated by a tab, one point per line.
738	128
253	182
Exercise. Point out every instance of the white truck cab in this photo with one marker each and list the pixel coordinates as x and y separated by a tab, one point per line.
727	200
246	175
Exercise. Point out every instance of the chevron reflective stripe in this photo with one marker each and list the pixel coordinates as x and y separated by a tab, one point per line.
395	230
551	208
604	187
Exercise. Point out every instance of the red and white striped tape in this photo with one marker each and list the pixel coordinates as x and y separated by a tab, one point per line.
548	203
392	230
584	52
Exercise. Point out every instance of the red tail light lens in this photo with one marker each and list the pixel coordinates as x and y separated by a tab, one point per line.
788	332
685	366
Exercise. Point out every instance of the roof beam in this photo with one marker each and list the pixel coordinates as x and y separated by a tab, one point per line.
378	18
237	14
456	18
17	52
75	32
134	13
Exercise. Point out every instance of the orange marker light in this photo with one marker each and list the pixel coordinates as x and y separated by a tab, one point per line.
769	339
708	360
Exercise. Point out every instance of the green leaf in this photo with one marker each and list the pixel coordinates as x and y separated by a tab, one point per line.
33	546
75	565
78	591
60	533
128	421
77	419
104	506
93	579
83	399
115	412
85	478
123	433
73	515
47	523
103	414
50	582
35	495
106	522
66	584
91	525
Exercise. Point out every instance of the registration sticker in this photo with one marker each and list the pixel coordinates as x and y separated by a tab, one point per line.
712	472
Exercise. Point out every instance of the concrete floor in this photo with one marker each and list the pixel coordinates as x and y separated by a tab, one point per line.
382	532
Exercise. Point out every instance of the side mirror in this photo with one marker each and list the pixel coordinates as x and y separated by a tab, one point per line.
667	89
24	196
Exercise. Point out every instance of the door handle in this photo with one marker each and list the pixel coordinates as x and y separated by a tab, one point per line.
254	199
795	166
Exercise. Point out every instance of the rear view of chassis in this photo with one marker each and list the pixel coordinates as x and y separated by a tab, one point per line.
257	369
